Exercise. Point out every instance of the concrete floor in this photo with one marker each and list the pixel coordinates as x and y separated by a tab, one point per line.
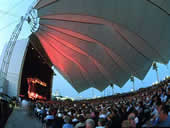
19	118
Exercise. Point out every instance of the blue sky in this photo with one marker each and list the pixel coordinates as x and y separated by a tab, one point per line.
10	13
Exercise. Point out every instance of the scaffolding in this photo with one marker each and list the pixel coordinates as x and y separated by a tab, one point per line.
32	18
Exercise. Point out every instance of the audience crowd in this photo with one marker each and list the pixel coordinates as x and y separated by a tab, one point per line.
148	107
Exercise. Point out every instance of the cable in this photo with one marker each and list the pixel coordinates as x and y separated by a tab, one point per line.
159	7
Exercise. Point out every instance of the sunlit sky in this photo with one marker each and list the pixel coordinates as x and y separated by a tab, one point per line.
10	14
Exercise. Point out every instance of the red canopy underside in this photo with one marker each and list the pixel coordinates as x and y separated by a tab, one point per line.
93	47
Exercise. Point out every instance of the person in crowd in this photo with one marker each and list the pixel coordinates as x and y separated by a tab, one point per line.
144	107
90	123
101	123
168	93
164	118
59	120
81	123
131	119
103	114
25	104
126	124
48	119
67	122
163	97
49	116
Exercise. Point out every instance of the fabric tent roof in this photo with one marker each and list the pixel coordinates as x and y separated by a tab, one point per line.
93	43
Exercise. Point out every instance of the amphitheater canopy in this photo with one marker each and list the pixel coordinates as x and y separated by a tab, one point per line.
93	43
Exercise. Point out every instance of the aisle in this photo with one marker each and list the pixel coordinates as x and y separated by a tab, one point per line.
20	119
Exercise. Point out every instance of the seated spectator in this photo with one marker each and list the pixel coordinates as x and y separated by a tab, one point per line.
58	123
25	104
126	124
81	123
67	122
102	114
109	123
164	118
101	123
49	116
136	109
74	120
90	123
131	119
49	120
163	97
168	93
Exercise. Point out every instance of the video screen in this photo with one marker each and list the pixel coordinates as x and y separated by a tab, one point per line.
37	89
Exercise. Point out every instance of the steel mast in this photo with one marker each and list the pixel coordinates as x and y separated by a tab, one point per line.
32	18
